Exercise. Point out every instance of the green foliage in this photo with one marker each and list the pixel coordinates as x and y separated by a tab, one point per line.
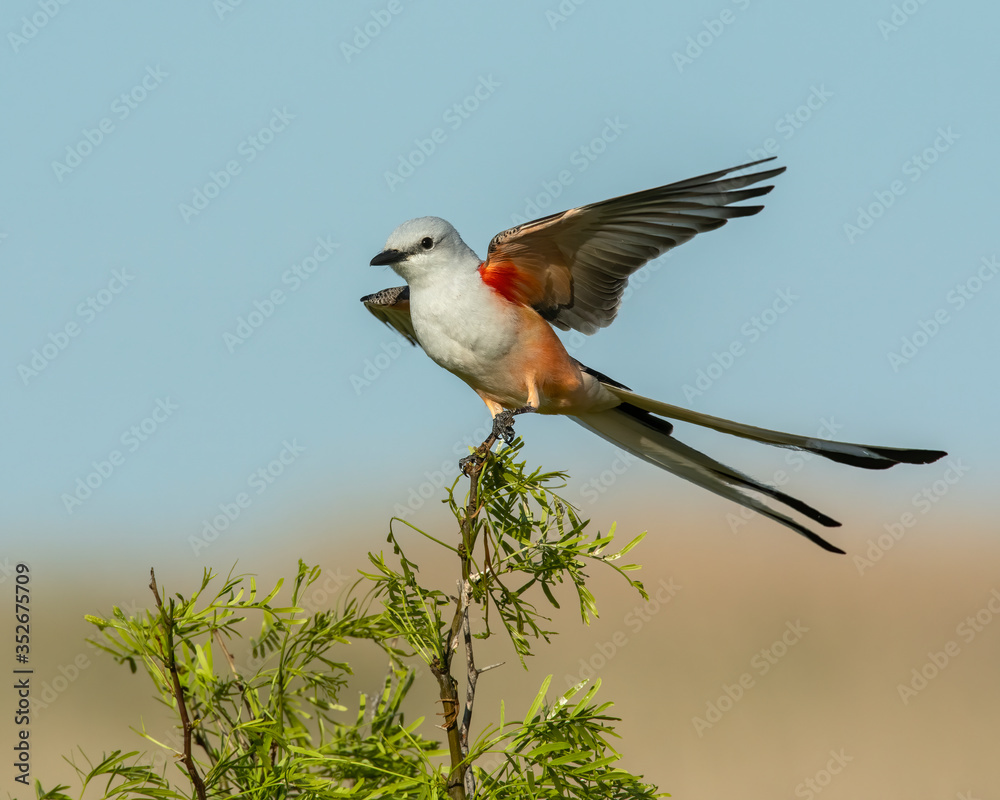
273	727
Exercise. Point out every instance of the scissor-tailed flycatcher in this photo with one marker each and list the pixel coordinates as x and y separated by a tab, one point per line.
490	323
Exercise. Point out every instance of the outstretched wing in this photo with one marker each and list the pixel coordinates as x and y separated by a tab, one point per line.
573	267
392	306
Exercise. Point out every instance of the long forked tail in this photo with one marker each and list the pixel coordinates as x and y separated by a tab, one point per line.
640	433
857	455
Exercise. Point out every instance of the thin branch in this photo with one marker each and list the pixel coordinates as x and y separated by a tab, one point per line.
449	700
168	624
472	676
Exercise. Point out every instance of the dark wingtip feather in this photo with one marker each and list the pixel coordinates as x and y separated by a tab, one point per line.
812	537
852	460
901	456
882	457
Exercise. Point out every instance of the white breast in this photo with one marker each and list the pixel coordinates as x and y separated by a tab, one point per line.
461	323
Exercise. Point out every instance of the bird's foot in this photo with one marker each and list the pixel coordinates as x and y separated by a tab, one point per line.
471	462
503	426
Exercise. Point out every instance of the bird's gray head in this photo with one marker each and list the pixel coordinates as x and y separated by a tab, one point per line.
423	246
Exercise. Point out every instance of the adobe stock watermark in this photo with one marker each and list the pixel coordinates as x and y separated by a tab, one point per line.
957	298
453	117
913	168
121	108
7	569
62	677
88	311
260	480
369	30
796	461
815	784
33	25
248	149
938	660
246	325
635	620
223	8
922	502
901	14
444	476
790	123
707	35
598	485
580	159
132	439
319	596
558	14
760	664
751	331
373	367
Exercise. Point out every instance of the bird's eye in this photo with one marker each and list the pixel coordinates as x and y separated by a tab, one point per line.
427	243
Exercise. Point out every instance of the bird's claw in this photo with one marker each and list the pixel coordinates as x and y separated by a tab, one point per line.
503	426
470	462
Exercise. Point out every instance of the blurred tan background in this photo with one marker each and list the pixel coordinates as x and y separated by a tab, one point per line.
819	713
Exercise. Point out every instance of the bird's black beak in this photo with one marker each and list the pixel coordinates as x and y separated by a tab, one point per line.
387	257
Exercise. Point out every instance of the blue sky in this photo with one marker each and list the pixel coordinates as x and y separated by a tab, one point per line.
193	196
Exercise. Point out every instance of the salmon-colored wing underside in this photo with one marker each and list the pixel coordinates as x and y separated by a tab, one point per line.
574	266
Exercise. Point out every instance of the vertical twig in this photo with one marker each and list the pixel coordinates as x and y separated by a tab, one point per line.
459	780
171	662
472	675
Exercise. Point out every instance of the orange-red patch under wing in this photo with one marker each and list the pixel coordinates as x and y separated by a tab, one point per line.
513	284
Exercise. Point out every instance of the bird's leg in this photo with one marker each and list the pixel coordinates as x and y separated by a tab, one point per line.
503	428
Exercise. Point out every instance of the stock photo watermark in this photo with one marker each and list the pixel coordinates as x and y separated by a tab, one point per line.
62	677
707	35
224	8
260	480
88	311
558	14
131	440
373	367
751	331
32	25
249	149
294	277
580	159
913	168
939	660
922	502
815	784
760	664
444	476
790	123
601	483
635	620
453	117
369	30
899	16
956	300
122	108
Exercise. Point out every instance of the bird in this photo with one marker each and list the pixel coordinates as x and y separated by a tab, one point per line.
492	323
